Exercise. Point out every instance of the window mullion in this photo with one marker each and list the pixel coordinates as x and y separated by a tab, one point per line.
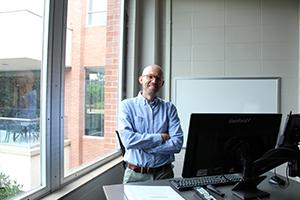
56	97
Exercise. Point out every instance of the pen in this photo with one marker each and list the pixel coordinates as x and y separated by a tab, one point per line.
215	190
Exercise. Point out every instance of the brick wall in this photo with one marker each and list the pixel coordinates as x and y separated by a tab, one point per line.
91	46
111	71
107	48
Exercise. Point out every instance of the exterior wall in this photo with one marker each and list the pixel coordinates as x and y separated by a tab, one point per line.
92	46
111	71
74	79
22	163
18	164
95	46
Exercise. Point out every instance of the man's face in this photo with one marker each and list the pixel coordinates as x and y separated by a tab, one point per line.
151	80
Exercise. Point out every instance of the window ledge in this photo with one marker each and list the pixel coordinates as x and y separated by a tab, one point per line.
83	180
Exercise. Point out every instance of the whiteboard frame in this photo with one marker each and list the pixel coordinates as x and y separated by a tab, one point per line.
184	122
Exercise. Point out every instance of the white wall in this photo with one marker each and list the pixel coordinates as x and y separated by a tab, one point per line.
238	38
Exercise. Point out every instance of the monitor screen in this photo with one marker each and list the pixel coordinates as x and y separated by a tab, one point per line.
221	143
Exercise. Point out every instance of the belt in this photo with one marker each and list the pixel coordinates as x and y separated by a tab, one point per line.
148	170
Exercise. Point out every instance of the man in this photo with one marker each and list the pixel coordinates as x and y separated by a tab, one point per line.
28	95
150	130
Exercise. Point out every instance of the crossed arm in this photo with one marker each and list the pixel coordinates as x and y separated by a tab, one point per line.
168	142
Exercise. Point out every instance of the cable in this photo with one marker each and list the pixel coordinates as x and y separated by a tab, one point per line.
275	174
287	176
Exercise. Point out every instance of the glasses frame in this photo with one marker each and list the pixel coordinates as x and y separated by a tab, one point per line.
151	77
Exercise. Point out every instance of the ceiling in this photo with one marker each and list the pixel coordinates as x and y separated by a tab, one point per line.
19	64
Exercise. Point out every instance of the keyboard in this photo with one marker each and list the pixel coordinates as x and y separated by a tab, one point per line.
217	180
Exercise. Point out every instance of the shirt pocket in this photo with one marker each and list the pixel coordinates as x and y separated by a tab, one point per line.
139	123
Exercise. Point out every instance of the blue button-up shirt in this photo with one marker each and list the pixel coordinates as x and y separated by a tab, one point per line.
140	124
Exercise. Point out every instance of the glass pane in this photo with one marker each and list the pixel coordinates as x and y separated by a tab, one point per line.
94	102
97	18
21	48
97	5
91	87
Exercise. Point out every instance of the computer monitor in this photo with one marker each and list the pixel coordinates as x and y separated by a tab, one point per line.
286	150
291	133
222	143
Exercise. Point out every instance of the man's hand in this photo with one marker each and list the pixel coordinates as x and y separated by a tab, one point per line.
165	137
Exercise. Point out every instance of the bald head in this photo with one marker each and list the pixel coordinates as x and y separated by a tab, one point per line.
151	68
151	80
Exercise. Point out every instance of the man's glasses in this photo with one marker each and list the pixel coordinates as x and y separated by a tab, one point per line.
152	77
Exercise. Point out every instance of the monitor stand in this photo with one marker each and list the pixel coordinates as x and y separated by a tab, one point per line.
247	189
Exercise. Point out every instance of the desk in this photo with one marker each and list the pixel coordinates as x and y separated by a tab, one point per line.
116	192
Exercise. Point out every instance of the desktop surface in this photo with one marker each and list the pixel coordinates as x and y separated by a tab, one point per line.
116	192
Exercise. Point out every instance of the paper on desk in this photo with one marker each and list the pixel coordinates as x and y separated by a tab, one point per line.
143	192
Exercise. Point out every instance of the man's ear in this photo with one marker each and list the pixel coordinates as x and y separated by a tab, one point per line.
141	79
162	83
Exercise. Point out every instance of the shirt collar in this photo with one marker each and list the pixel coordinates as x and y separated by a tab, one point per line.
151	103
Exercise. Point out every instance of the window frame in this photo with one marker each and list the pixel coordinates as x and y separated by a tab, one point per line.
57	98
91	11
52	102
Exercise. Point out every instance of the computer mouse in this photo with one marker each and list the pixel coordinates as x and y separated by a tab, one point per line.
275	180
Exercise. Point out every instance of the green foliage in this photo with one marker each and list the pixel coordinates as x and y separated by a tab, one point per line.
8	188
95	94
6	100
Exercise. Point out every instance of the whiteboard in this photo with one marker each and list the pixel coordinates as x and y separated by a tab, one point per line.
225	95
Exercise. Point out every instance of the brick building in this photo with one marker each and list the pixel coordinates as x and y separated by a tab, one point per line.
94	50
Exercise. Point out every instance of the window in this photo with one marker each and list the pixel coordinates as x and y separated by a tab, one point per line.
97	12
90	92
94	102
22	165
47	108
